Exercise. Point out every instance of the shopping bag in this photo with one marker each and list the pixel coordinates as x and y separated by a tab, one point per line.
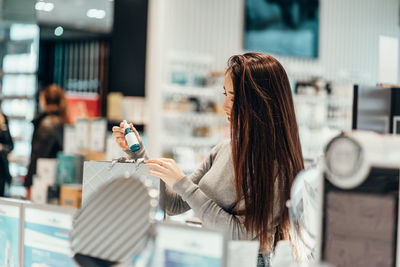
97	173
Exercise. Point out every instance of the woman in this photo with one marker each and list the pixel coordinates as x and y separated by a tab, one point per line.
6	145
47	137
244	184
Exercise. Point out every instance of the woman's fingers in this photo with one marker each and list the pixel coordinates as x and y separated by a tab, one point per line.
122	143
152	161
167	160
155	173
166	169
117	134
116	129
156	167
160	162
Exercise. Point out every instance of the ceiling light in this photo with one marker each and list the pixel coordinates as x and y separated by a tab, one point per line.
44	6
96	13
58	31
48	7
39	5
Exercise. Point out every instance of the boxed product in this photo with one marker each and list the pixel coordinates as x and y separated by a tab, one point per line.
85	135
79	159
53	194
114	103
97	132
39	190
71	195
69	168
83	106
46	170
65	169
134	109
69	142
82	133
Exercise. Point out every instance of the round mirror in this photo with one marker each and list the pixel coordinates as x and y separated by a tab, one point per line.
114	223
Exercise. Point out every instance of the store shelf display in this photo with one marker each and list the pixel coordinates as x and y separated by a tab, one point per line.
195	118
80	67
194	91
192	116
18	75
320	117
17	85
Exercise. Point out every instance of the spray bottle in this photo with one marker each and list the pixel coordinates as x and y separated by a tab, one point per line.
131	138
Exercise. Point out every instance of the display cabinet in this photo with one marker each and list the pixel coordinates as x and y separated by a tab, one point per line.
193	120
18	75
320	118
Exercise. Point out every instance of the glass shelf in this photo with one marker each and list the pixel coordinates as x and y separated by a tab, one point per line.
18	75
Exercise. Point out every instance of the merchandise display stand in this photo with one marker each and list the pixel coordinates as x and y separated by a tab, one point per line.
322	116
192	117
19	47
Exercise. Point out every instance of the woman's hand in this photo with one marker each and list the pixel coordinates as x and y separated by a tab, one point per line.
119	135
166	169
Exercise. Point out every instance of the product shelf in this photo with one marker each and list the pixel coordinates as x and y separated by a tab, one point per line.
18	77
171	142
191	119
193	91
17	73
19	160
20	118
20	97
19	139
196	118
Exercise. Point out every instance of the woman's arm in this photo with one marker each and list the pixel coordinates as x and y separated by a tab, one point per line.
211	215
172	202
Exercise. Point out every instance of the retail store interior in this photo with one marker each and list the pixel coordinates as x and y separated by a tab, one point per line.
71	196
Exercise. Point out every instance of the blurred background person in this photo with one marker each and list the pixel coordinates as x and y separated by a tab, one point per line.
47	137
6	145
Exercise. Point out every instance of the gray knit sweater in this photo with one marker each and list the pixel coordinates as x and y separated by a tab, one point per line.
209	191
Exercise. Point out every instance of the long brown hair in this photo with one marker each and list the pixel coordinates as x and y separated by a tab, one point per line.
266	147
54	100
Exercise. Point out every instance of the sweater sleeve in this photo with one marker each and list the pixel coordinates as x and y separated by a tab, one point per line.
173	202
211	215
138	154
